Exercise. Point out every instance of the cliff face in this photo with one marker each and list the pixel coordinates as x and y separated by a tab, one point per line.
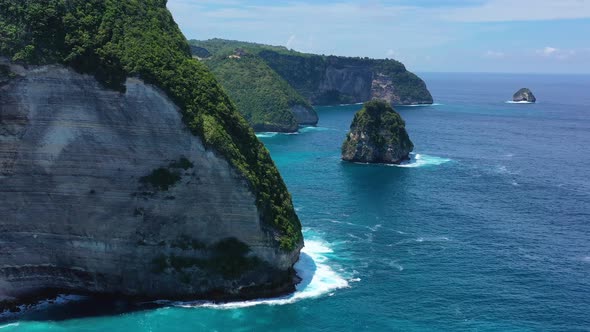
139	178
377	135
329	80
344	84
83	210
340	80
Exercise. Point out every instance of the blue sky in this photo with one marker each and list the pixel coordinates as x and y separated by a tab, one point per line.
518	36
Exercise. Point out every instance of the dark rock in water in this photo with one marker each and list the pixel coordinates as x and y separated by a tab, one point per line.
524	95
377	135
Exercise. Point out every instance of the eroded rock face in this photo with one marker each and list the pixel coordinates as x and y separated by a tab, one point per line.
377	135
304	115
351	83
339	80
106	192
524	95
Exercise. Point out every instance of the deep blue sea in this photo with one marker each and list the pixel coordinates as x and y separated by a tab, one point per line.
487	229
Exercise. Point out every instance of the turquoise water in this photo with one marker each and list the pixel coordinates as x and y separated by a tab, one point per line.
488	229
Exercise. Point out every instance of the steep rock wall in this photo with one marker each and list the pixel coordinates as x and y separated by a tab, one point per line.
304	115
340	80
80	212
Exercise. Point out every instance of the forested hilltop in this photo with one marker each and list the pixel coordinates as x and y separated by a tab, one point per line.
265	99
329	80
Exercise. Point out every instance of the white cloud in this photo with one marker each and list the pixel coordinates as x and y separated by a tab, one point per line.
291	41
548	50
556	53
520	10
494	55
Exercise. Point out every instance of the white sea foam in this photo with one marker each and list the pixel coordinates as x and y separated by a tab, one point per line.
518	102
318	279
266	134
9	325
421	239
422	160
422	105
304	130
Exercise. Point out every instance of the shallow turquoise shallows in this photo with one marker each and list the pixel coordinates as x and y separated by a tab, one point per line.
487	229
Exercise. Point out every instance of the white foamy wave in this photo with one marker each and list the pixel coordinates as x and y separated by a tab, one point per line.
266	134
422	160
421	105
318	279
395	265
9	325
421	239
518	102
303	130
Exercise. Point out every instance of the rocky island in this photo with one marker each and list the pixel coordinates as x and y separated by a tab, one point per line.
524	95
377	135
124	168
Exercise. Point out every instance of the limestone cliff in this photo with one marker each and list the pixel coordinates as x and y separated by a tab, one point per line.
342	80
79	215
377	135
137	178
328	80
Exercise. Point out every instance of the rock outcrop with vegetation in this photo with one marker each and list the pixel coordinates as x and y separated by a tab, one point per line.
124	167
266	100
377	135
524	95
330	80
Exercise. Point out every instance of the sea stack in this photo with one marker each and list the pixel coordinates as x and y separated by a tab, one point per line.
524	95
377	135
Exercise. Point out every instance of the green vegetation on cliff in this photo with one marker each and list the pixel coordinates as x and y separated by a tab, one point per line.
113	40
261	95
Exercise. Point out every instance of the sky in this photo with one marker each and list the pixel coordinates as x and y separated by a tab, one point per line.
508	36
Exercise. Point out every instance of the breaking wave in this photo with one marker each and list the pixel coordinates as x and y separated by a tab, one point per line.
518	102
421	105
318	279
266	134
422	160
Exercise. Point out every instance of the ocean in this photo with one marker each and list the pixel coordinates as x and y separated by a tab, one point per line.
486	229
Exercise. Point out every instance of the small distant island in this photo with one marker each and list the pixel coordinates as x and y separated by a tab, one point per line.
377	135
524	95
